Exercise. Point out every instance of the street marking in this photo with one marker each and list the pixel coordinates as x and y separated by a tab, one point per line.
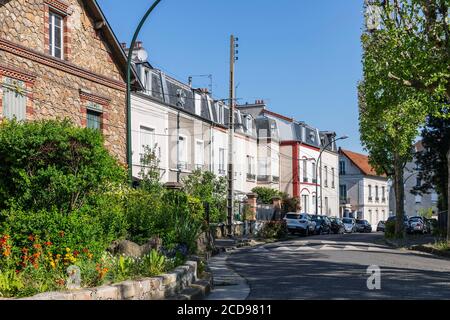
282	249
329	242
305	249
352	248
330	248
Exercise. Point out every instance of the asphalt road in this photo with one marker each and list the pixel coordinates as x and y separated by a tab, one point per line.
335	267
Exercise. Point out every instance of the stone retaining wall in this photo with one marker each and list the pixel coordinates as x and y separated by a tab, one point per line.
155	288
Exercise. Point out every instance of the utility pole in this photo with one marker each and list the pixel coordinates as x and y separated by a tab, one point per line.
231	137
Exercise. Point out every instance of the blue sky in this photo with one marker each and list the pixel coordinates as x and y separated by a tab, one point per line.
302	57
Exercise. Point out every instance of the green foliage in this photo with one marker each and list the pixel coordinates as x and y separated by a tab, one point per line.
273	230
426	213
52	164
290	204
211	189
154	263
265	195
432	160
389	231
10	283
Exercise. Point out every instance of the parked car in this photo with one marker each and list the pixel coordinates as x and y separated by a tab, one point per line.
300	223
337	226
417	225
323	224
363	226
381	227
405	220
349	225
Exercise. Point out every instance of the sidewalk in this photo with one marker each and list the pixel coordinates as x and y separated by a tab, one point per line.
419	243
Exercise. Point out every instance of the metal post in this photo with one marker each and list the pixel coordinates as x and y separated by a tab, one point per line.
130	55
231	139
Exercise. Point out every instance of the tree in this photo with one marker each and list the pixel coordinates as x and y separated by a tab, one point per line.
432	160
412	38
265	195
389	119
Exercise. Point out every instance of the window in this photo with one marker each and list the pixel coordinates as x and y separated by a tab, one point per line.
418	199
94	119
314	173
147	139
418	182
343	192
327	211
182	153
305	170
275	165
248	124
314	204
434	197
376	193
383	194
147	81
221	113
325	174
305	203
222	161
199	154
342	167
251	174
56	35
14	99
262	167
370	193
332	178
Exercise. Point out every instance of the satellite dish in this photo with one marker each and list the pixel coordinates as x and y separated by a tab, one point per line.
142	55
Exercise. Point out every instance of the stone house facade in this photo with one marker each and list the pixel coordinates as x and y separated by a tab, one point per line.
60	59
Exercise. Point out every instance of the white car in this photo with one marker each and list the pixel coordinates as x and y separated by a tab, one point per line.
300	223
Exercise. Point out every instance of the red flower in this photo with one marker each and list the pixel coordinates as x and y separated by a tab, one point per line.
48	243
76	253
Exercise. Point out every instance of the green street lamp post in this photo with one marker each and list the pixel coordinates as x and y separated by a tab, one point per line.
130	56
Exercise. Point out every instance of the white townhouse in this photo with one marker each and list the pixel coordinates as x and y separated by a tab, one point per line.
363	193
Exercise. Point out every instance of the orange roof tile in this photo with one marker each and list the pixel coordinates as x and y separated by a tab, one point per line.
362	162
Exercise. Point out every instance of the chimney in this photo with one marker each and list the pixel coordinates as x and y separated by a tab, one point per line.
124	45
138	45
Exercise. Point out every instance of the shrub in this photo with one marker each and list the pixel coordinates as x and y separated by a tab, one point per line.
265	195
47	164
273	230
389	231
210	189
290	204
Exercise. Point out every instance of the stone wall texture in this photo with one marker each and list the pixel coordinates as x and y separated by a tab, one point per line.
88	66
155	288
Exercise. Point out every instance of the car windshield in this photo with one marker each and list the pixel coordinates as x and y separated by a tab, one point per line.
293	216
316	218
415	220
347	220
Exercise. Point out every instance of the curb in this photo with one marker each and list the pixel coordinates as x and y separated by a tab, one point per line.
420	248
198	290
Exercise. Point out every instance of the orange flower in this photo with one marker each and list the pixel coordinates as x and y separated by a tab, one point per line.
48	243
31	237
37	246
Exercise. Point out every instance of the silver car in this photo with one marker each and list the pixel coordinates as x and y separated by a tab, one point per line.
300	223
349	225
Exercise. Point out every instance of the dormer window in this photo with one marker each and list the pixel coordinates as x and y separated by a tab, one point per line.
248	124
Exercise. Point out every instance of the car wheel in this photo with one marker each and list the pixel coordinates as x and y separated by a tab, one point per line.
307	232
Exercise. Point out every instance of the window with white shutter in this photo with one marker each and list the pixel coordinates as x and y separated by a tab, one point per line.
14	99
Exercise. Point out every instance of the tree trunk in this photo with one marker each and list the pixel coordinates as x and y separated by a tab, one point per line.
399	189
448	196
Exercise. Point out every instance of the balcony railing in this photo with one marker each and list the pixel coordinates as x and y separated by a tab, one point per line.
275	179
183	166
222	171
383	200
202	167
305	180
251	177
377	199
264	178
370	198
344	200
